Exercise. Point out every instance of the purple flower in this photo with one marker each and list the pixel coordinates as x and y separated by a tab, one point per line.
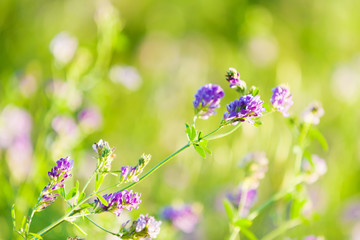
120	200
145	227
313	113
233	77
207	99
236	199
131	174
244	108
183	217
281	100
57	176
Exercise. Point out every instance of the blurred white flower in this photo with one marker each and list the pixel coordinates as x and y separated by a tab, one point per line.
126	75
262	50
63	47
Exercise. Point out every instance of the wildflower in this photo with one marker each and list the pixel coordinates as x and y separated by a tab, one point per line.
313	172
233	77
57	176
244	108
90	118
118	201
313	113
183	217
281	100
207	99
105	155
255	166
236	199
63	47
131	174
126	75
144	227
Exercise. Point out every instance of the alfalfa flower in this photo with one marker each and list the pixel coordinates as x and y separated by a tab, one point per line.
282	99
118	201
236	199
315	169
105	155
183	216
57	176
145	227
245	108
313	113
131	174
233	77
207	99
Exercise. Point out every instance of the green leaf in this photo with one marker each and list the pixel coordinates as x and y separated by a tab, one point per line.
200	150
200	134
188	131
314	133
79	228
98	181
71	194
250	235
267	107
257	123
61	191
243	223
23	223
81	197
193	133
102	200
13	215
77	185
85	205
36	235
203	144
229	209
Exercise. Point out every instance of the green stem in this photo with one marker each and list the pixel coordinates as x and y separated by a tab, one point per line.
29	222
282	229
234	233
89	180
220	135
104	229
301	141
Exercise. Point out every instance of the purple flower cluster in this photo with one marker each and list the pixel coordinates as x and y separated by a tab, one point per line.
105	155
183	217
57	176
145	227
236	199
118	201
244	108
207	99
282	100
233	77
131	174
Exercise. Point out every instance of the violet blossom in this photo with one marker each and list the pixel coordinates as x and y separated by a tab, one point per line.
313	113
245	108
233	77
145	227
118	201
282	100
183	217
131	174
207	99
236	200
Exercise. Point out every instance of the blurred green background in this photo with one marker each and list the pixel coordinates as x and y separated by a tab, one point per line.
137	65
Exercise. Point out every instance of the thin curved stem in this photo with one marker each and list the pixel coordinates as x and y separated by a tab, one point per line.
104	229
220	135
282	229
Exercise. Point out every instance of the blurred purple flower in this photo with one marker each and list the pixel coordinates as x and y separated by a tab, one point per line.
236	198
64	125
233	77
183	217
282	100
131	174
145	227
120	200
312	237
255	166
90	118
244	108
207	99
313	113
